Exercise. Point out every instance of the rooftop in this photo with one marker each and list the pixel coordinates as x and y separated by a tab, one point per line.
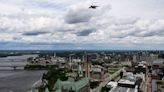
140	65
125	81
159	61
123	89
128	78
71	84
112	84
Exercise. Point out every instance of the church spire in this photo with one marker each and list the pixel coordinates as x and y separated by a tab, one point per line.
80	71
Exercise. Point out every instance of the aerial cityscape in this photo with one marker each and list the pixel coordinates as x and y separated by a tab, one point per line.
81	46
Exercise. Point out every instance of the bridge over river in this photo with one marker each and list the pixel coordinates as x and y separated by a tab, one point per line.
15	62
12	65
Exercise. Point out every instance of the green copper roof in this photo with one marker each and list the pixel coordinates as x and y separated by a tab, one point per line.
80	84
59	90
46	90
71	79
71	84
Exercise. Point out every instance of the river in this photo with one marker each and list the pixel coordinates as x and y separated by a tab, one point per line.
18	80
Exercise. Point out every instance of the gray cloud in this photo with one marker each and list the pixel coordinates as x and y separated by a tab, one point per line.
34	33
85	32
149	34
73	18
78	15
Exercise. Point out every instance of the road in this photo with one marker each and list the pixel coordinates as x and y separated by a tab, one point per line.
149	87
102	84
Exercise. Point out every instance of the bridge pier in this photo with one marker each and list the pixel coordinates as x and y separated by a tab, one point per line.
14	67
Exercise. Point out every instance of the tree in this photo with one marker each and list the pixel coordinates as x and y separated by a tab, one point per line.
52	75
121	74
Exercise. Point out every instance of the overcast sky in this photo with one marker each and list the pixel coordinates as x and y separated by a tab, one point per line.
70	24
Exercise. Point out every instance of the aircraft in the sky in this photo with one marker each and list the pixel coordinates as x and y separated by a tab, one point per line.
93	7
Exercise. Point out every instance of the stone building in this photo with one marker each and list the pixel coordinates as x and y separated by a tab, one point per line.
78	84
